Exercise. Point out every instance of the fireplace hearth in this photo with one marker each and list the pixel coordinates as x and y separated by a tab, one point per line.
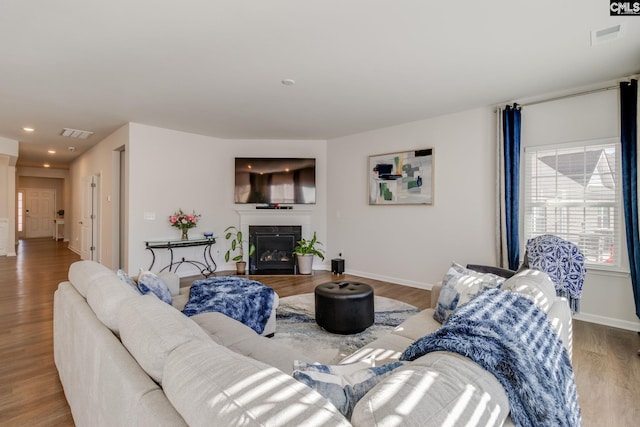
274	248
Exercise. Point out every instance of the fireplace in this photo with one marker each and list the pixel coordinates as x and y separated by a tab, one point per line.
274	248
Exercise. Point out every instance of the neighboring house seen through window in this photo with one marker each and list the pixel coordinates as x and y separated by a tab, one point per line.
574	192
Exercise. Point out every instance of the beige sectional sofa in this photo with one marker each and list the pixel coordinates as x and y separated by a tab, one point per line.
127	359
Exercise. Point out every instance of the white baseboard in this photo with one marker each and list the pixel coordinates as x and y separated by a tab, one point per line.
608	321
426	286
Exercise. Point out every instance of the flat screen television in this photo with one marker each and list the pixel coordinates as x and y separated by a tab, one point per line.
275	180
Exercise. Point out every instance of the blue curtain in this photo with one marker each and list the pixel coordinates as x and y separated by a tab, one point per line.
511	133
628	140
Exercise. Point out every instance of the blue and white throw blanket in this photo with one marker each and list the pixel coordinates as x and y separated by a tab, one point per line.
562	261
244	300
509	336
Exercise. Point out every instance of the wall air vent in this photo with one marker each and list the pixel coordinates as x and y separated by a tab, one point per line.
606	34
76	133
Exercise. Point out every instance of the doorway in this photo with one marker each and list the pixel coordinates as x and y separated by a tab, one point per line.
39	212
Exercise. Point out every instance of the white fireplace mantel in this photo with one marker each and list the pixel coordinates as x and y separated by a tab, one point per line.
301	217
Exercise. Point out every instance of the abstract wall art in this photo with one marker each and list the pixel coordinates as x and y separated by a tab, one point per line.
402	178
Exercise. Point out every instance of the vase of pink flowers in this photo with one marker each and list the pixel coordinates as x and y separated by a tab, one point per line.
184	222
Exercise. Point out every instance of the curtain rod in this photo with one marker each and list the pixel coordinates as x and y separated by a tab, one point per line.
572	95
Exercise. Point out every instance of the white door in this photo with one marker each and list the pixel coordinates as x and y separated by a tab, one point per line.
89	219
39	212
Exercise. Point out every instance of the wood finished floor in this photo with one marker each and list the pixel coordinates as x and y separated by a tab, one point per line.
606	364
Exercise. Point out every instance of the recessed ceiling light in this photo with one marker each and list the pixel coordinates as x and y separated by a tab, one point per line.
76	133
51	151
46	165
288	82
28	129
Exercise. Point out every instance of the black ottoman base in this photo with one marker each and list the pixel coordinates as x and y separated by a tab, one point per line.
344	307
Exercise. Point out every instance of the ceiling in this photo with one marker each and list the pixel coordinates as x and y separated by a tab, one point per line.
216	67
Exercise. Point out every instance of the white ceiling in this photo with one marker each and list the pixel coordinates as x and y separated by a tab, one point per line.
215	67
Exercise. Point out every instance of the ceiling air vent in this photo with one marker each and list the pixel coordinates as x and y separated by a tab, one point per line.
76	133
606	34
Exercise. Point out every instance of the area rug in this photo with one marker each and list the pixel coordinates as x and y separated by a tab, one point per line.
297	327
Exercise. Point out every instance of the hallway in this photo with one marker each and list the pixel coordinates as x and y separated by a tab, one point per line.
30	391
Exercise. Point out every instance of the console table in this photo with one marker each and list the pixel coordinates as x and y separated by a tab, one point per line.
206	268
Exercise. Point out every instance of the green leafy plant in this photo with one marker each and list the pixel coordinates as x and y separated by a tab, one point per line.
308	247
235	235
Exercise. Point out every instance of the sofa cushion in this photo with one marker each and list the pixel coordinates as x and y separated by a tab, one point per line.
209	384
535	285
106	295
226	330
150	283
103	384
418	325
244	340
385	349
180	299
439	388
151	330
83	273
459	286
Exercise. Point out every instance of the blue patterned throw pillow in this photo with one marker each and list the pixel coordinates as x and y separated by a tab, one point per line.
151	283
343	385
459	286
128	280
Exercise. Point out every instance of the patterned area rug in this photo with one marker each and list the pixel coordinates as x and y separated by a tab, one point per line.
297	327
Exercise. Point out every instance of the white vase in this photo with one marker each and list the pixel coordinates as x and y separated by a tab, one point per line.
305	263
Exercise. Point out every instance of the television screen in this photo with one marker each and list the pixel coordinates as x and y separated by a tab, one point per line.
275	180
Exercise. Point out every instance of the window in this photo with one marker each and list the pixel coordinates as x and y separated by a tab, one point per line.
573	192
20	218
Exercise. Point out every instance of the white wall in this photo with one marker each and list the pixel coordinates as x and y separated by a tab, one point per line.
607	296
98	161
412	245
171	169
415	245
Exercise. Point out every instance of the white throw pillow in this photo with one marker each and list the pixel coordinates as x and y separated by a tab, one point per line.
459	286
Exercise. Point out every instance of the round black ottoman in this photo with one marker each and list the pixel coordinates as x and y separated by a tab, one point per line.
344	307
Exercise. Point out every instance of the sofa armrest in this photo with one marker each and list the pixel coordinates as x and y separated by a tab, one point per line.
172	280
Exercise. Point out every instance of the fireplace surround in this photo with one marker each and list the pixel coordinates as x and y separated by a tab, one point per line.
274	248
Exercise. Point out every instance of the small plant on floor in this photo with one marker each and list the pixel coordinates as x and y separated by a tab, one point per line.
308	247
237	244
304	252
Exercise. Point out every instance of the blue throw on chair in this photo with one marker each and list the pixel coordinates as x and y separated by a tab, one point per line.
562	261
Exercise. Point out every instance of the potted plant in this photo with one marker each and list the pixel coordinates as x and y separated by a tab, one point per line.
304	252
235	235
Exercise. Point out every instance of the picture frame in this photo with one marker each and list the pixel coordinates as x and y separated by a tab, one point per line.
402	178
